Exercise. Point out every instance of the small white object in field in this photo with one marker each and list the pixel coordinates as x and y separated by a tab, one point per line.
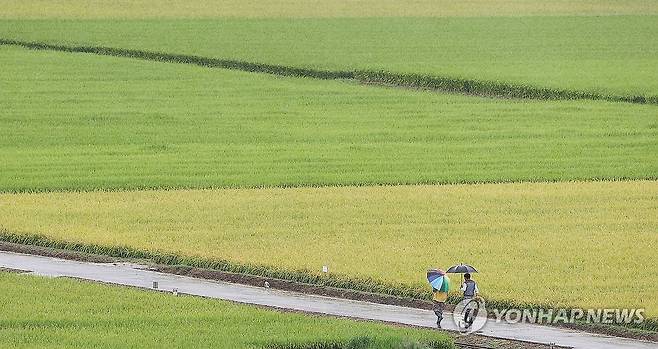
175	291
267	284
325	268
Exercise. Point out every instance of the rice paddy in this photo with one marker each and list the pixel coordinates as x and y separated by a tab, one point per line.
528	166
608	54
57	313
86	122
513	232
159	9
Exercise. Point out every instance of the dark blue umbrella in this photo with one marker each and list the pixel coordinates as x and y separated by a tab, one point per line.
461	269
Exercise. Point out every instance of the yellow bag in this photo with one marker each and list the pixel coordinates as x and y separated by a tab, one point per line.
440	296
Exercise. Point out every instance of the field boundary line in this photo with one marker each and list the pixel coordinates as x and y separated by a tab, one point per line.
470	87
349	184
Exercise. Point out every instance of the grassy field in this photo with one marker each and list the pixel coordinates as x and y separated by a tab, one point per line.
316	8
87	122
57	313
560	235
610	54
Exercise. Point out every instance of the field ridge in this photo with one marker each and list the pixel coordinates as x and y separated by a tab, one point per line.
472	87
305	184
300	276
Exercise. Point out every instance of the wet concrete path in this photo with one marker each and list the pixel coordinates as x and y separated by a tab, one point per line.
136	275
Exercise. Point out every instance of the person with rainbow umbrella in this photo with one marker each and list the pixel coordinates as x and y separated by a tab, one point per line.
440	287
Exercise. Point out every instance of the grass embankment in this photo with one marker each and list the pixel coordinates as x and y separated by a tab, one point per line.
317	8
612	55
55	313
559	244
81	122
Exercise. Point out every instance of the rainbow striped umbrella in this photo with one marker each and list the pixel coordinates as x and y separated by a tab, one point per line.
438	280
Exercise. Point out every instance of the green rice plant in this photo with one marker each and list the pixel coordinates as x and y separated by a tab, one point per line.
597	55
417	81
186	59
488	88
55	313
131	124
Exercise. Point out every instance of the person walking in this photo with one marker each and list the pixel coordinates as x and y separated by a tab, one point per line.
439	298
440	284
470	292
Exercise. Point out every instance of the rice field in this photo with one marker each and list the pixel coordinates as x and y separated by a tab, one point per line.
39	312
511	232
602	54
159	9
374	176
90	122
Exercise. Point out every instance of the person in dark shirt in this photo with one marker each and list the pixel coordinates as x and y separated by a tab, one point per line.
470	291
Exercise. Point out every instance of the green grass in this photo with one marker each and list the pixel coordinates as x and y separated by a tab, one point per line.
609	55
553	244
81	122
61	313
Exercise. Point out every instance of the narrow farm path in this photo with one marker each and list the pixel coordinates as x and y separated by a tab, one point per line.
138	276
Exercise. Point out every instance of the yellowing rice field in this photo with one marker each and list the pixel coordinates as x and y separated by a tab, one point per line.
572	243
159	9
